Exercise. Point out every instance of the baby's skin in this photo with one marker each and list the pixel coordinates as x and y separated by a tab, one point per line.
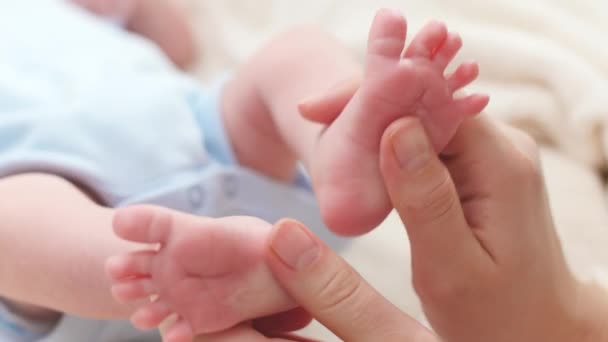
208	271
395	83
160	21
211	273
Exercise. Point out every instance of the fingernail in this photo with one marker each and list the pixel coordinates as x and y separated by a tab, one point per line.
292	244
411	146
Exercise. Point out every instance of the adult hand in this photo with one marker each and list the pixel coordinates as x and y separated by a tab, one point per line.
487	262
328	289
276	328
333	292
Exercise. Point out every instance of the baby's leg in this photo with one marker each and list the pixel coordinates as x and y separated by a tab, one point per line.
260	105
210	272
260	110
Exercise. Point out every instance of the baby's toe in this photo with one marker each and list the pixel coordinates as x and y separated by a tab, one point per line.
463	76
145	224
132	265
428	41
133	290
471	105
179	331
387	34
447	51
151	315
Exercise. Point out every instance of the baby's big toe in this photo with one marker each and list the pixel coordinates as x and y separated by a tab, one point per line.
143	223
151	315
133	290
387	34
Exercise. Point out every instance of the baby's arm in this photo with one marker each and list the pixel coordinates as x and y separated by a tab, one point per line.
161	21
53	244
166	24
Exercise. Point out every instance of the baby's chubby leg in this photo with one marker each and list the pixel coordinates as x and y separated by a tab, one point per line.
210	272
260	103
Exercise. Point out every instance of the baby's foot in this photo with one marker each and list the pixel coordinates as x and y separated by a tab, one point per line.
346	174
210	272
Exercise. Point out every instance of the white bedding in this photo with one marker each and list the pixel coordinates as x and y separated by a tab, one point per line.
544	62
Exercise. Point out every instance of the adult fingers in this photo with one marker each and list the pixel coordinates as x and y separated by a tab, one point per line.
325	107
333	292
445	251
422	191
292	320
246	333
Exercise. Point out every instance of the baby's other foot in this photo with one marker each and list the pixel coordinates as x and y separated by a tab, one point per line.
346	173
209	272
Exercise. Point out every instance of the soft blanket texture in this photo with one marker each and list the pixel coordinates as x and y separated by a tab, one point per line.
544	62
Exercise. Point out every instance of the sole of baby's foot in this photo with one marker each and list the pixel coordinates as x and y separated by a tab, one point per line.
396	83
210	273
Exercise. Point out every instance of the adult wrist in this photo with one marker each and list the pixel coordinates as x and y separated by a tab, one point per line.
591	313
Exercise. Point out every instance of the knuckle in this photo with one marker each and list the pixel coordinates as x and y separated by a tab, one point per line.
529	147
521	163
527	172
524	165
437	201
521	140
340	290
436	290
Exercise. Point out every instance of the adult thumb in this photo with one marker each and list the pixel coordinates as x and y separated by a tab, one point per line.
330	290
424	195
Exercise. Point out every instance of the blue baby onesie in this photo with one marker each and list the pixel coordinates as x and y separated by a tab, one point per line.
83	99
